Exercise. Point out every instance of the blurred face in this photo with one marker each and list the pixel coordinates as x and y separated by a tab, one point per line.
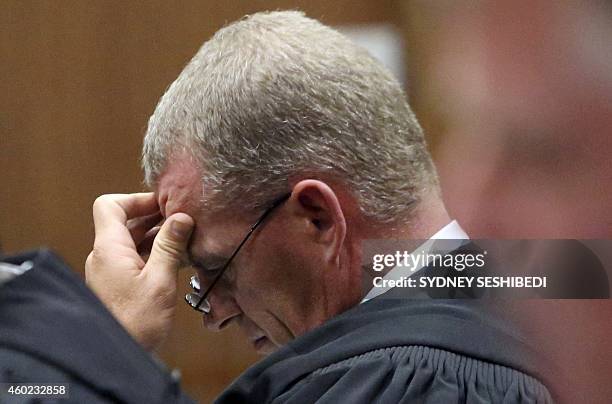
529	147
278	286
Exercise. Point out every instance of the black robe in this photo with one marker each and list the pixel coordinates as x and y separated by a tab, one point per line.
407	346
402	351
53	329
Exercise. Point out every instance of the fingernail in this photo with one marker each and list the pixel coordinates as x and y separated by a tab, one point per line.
181	229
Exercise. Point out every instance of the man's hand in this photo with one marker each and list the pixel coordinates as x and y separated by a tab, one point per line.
140	292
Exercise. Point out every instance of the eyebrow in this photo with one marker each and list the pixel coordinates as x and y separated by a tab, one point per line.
208	261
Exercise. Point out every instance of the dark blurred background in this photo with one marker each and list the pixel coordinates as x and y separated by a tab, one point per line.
515	97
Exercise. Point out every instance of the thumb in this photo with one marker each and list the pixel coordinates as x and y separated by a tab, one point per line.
170	246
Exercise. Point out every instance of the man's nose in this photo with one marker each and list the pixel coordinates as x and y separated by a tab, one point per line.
223	309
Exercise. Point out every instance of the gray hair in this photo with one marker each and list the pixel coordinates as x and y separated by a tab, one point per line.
279	96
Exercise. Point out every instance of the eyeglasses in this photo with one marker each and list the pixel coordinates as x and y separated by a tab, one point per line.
199	301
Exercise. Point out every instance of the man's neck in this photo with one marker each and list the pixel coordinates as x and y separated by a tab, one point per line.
427	219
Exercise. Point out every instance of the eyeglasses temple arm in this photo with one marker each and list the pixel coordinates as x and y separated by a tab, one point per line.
275	204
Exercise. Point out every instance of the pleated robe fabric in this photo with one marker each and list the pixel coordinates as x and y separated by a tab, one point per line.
393	350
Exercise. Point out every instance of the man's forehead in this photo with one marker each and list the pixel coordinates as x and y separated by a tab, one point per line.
179	188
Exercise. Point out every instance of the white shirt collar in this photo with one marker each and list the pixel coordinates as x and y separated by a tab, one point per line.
451	231
10	271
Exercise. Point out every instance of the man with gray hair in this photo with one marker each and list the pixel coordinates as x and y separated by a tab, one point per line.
279	150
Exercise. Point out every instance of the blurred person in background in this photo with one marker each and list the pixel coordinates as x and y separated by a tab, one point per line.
527	87
283	122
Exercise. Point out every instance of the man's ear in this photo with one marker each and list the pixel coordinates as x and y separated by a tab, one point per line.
320	207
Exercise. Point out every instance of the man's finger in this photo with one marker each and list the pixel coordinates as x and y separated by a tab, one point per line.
169	247
140	227
145	246
113	209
